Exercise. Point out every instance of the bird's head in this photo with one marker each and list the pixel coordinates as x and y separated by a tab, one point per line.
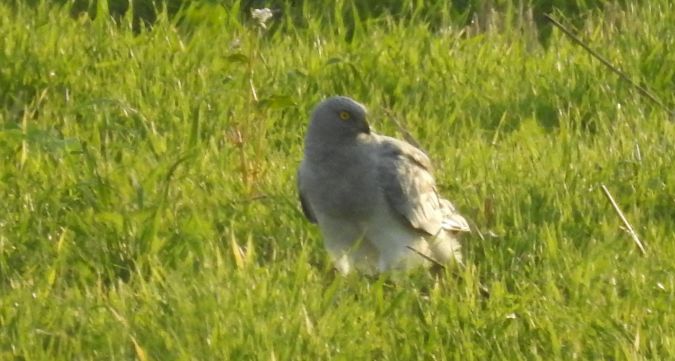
338	118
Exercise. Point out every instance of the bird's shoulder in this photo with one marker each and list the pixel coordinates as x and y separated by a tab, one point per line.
400	151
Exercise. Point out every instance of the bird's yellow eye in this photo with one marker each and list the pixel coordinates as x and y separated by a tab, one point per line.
345	115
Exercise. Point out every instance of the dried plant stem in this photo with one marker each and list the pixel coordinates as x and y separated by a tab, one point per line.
402	129
644	91
428	258
624	220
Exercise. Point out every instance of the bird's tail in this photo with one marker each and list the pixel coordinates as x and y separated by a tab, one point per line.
452	220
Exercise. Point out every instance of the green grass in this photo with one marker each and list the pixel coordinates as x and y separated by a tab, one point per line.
148	206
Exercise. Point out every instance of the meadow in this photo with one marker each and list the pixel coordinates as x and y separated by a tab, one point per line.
147	182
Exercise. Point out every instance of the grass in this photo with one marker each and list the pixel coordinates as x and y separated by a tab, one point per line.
148	187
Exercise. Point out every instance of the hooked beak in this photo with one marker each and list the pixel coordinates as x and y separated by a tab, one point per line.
365	128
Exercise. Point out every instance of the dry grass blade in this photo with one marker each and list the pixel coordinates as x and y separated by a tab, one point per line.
624	220
428	258
402	129
644	91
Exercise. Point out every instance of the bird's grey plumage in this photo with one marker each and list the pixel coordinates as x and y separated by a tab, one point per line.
373	197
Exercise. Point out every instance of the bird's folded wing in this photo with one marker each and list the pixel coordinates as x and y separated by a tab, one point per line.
408	184
306	207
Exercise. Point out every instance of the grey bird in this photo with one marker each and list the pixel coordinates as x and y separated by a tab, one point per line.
373	197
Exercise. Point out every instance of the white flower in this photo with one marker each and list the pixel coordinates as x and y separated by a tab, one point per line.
262	16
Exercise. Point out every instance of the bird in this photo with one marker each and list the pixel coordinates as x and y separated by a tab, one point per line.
373	197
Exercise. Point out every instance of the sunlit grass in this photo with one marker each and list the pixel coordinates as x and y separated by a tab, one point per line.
148	206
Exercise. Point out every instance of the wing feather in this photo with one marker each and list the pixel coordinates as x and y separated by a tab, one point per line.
405	174
304	204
